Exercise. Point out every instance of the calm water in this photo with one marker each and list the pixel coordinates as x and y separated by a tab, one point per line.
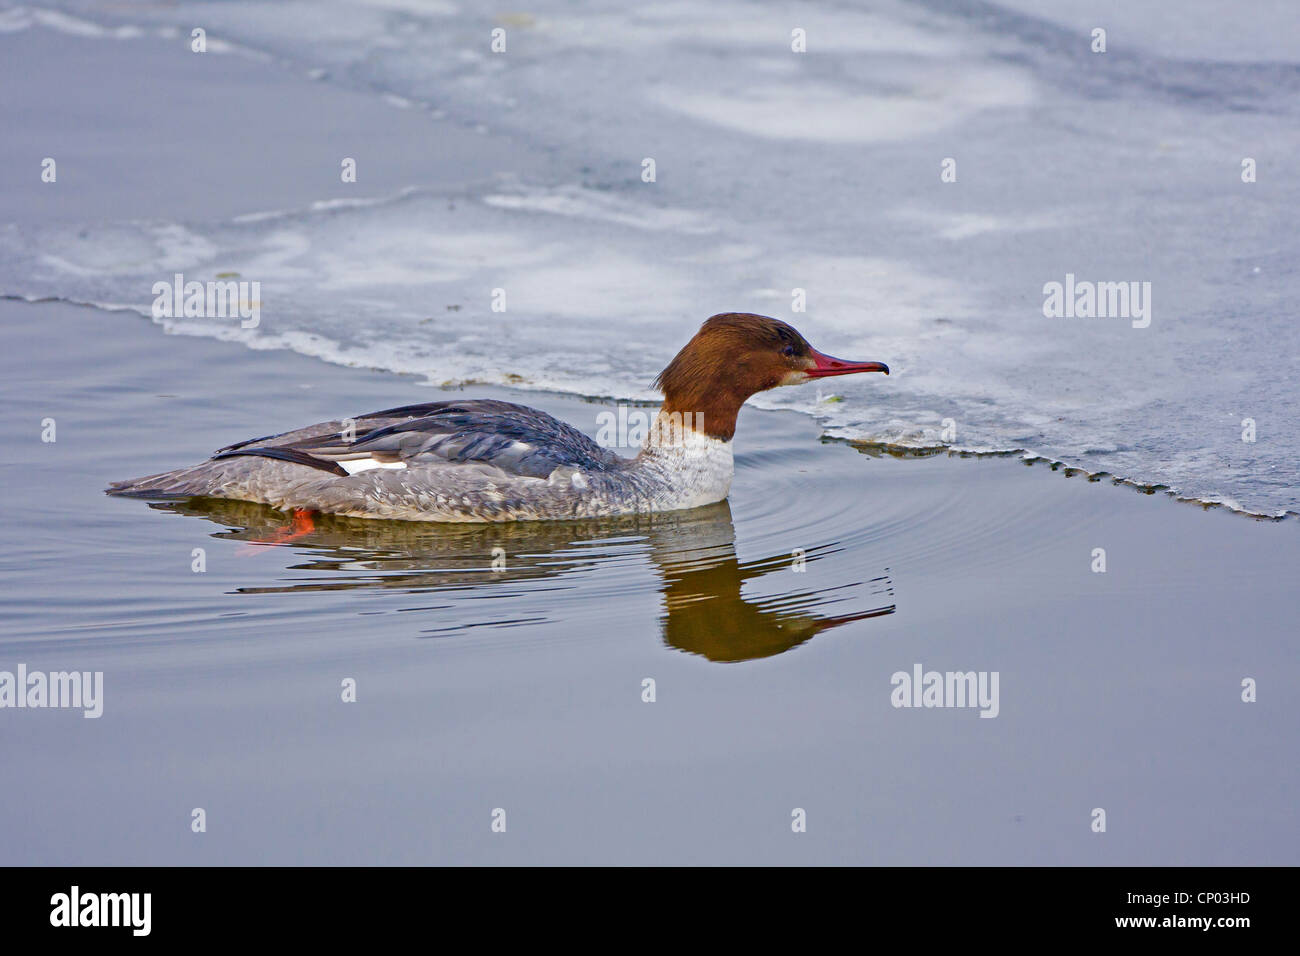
521	689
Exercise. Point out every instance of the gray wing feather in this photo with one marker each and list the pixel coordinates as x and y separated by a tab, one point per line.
514	438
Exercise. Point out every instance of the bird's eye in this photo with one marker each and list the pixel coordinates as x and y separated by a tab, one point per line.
788	351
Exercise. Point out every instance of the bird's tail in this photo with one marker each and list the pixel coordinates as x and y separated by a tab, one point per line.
206	479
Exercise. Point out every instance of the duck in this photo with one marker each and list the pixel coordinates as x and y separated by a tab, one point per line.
486	460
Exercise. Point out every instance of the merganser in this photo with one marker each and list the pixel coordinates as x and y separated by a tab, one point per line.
488	460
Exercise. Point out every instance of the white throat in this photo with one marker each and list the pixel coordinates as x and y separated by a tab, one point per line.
696	469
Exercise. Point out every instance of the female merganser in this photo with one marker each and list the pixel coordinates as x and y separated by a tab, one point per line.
486	460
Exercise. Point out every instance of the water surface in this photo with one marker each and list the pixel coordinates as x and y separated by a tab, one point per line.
522	689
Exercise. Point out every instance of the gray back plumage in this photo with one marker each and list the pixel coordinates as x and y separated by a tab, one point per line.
514	438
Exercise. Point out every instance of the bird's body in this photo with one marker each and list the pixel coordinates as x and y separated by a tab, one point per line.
475	460
485	460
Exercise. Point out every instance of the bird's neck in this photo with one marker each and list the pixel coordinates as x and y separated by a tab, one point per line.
709	414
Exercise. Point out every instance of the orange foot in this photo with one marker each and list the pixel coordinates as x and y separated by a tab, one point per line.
301	524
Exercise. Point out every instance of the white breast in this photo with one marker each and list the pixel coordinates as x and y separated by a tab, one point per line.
695	470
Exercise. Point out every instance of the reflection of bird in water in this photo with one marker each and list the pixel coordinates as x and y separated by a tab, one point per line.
707	615
693	551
